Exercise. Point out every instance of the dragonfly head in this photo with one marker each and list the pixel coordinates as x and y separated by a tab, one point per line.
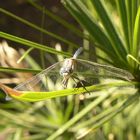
65	71
67	67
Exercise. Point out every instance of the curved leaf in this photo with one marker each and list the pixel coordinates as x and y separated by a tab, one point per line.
112	34
78	9
32	96
38	28
32	44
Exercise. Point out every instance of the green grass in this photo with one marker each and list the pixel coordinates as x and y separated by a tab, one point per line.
112	110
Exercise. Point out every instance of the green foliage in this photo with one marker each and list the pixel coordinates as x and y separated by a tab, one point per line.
71	117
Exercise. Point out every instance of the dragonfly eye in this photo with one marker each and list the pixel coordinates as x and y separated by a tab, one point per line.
65	71
61	71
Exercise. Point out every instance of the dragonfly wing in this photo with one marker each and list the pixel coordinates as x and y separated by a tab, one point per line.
51	80
91	71
40	81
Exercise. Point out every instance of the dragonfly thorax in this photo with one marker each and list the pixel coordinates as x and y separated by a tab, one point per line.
67	68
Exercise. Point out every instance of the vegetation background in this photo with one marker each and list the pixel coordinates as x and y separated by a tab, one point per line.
108	29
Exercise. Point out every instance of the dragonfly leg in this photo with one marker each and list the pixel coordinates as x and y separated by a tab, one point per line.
7	97
81	83
65	82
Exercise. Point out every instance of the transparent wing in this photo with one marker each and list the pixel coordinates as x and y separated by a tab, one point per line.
85	71
100	71
43	81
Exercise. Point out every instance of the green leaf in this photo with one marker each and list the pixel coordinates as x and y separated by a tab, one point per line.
120	107
33	96
88	108
129	21
14	70
109	27
77	117
38	28
123	16
32	44
136	37
136	42
83	16
58	19
129	56
131	11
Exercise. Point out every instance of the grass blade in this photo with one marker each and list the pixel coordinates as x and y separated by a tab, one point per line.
83	16
77	117
33	96
58	19
124	105
136	37
38	28
112	34
14	70
32	44
123	16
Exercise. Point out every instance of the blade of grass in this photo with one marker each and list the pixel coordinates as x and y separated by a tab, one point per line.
18	134
32	44
135	6
77	117
108	25
129	56
14	70
58	19
123	16
35	137
42	58
38	28
26	123
131	7
69	109
15	118
96	118
82	15
135	42
86	21
129	21
32	63
24	55
124	105
33	96
136	36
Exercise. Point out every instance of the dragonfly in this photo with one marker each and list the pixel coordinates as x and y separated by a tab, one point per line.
68	68
73	73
